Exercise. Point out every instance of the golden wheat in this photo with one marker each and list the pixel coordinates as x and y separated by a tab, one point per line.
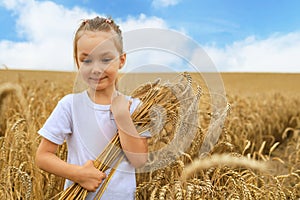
261	127
222	160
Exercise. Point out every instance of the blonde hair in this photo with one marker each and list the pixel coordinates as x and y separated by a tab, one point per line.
98	24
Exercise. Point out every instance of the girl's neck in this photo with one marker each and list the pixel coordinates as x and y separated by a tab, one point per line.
102	97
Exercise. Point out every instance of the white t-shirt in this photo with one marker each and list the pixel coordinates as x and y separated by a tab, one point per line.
87	128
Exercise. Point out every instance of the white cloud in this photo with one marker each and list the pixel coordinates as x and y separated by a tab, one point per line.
157	46
14	4
277	53
142	21
151	60
47	31
164	3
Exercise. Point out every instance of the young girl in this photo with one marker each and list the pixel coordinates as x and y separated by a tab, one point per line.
89	120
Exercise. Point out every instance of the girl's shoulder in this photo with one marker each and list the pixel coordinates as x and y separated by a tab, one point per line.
69	99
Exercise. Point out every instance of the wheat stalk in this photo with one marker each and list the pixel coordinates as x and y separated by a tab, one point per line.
221	160
151	95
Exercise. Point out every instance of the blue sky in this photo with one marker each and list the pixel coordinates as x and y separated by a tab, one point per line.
238	36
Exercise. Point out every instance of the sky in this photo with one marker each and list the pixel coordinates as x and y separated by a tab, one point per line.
232	35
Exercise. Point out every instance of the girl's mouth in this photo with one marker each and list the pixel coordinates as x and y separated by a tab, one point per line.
98	79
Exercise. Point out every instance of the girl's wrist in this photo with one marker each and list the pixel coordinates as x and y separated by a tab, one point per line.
75	173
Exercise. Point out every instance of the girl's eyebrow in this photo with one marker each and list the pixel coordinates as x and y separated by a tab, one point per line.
84	54
106	53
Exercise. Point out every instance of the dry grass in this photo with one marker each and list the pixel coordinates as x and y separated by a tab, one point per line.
261	127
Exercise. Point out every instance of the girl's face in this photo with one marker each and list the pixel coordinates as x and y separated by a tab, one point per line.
99	59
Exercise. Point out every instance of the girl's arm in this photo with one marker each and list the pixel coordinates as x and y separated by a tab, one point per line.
87	175
134	146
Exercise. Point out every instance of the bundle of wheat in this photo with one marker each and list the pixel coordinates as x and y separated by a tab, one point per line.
161	104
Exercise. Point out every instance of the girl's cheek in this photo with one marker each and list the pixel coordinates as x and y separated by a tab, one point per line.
84	71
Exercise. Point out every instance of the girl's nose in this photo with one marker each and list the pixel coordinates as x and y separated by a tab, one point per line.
97	69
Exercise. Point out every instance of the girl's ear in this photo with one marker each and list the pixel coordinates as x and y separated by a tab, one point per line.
122	60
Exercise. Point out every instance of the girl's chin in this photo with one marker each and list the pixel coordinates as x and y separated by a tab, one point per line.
93	83
99	86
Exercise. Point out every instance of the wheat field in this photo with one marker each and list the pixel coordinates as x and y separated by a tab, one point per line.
257	155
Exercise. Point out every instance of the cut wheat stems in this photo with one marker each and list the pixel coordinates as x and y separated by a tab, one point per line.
151	95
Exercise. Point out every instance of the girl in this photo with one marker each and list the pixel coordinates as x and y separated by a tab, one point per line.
88	120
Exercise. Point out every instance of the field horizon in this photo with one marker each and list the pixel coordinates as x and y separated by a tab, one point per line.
246	83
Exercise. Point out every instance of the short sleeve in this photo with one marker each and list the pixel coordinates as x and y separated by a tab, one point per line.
146	134
59	124
134	105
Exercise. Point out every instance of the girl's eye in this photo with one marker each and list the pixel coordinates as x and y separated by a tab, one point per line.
86	61
106	60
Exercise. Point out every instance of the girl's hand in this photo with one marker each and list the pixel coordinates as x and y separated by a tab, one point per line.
120	106
89	177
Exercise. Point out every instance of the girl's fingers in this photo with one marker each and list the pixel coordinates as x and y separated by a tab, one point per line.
103	176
